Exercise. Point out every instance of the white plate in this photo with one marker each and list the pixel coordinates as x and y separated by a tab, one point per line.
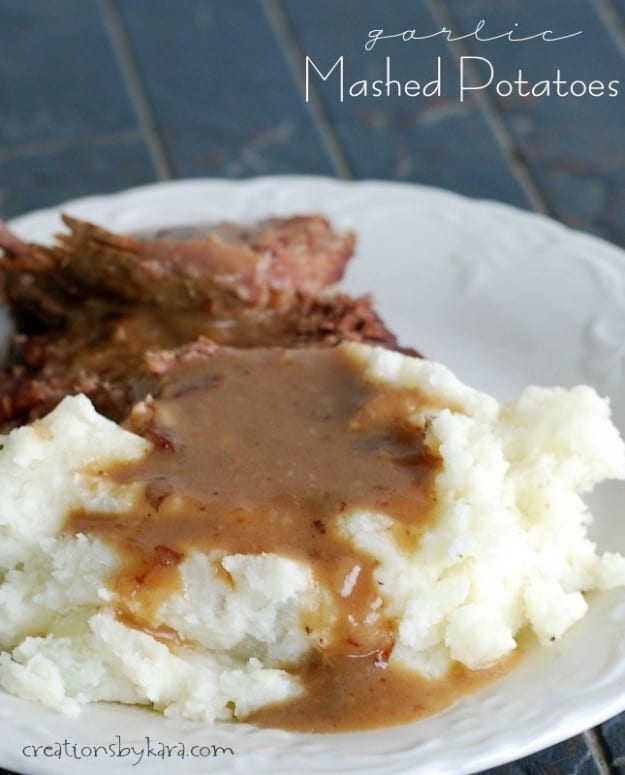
504	298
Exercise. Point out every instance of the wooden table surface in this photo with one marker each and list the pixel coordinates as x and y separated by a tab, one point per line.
97	96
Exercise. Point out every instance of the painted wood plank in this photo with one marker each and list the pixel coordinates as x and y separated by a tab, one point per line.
67	127
613	734
224	99
30	182
58	77
571	756
619	7
574	146
432	140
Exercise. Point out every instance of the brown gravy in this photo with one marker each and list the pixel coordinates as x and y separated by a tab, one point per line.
261	451
349	695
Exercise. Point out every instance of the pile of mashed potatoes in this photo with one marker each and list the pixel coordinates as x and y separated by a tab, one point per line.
508	552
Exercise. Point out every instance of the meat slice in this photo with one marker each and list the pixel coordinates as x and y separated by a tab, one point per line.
91	308
219	270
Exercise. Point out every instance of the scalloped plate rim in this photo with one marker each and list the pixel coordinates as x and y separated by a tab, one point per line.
504	749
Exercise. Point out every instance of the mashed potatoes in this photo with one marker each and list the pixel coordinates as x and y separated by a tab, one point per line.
507	552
